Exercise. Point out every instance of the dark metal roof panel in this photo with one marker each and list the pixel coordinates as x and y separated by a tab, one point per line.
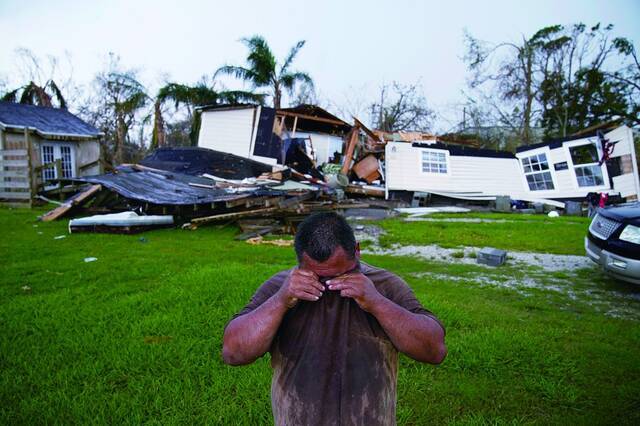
163	188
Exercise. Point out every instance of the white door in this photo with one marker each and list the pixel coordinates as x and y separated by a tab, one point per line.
63	152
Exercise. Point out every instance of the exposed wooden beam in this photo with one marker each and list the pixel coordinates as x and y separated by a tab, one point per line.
311	117
351	146
366	130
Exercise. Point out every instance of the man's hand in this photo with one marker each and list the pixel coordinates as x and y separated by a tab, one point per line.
358	287
301	284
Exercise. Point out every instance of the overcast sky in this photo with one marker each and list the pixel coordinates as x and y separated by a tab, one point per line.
352	46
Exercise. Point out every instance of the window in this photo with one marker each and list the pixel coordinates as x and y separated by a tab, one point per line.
65	156
47	157
589	175
585	164
536	170
50	154
584	154
434	162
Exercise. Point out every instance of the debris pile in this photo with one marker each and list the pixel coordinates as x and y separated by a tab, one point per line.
196	187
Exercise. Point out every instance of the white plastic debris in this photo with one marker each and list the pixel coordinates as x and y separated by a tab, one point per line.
553	213
121	219
90	259
59	237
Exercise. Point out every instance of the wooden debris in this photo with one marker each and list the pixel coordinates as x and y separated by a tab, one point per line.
74	201
367	168
255	233
351	146
365	190
278	242
235	215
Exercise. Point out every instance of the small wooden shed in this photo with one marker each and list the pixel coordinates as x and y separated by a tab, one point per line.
39	145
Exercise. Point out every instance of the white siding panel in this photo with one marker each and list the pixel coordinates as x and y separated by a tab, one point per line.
625	143
557	156
625	185
86	153
227	131
479	175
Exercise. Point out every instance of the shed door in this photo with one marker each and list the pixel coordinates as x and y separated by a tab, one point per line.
63	152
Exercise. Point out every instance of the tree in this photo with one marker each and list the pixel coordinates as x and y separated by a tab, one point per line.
629	77
47	83
190	97
576	90
118	106
32	94
514	79
401	108
263	71
558	79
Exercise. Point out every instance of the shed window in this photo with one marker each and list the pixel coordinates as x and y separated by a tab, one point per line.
54	152
585	164
48	173
536	171
434	162
65	156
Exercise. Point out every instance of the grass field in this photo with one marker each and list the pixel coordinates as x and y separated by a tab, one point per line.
135	336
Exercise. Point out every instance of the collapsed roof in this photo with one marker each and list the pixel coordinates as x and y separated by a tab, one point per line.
197	161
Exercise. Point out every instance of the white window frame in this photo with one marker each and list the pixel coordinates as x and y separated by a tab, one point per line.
534	153
57	154
437	151
572	166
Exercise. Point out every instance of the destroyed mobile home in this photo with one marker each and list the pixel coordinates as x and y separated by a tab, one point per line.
275	166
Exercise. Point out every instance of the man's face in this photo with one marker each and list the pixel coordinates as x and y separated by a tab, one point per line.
338	264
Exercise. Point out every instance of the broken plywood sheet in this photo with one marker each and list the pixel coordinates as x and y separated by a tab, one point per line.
367	168
66	207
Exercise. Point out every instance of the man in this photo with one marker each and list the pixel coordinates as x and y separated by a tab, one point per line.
334	326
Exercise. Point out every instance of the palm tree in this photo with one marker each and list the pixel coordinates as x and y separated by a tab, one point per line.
190	97
32	94
263	70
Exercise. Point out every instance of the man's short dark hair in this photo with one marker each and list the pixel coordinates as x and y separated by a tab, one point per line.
321	233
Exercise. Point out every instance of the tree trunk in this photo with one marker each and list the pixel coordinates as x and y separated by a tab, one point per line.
158	140
277	94
121	135
526	125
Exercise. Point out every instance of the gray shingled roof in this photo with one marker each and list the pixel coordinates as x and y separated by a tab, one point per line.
47	121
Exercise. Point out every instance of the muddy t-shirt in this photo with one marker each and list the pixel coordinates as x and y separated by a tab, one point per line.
333	364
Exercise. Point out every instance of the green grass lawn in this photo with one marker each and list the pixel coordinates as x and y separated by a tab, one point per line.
135	337
536	233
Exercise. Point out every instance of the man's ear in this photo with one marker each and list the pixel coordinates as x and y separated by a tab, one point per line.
358	250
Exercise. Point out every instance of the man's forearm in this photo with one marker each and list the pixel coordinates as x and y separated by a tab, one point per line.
249	336
418	336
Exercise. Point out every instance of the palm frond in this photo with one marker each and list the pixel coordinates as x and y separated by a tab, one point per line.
57	93
32	94
240	96
260	60
289	80
241	73
11	96
291	56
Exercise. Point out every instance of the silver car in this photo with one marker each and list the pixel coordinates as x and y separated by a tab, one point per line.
613	241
